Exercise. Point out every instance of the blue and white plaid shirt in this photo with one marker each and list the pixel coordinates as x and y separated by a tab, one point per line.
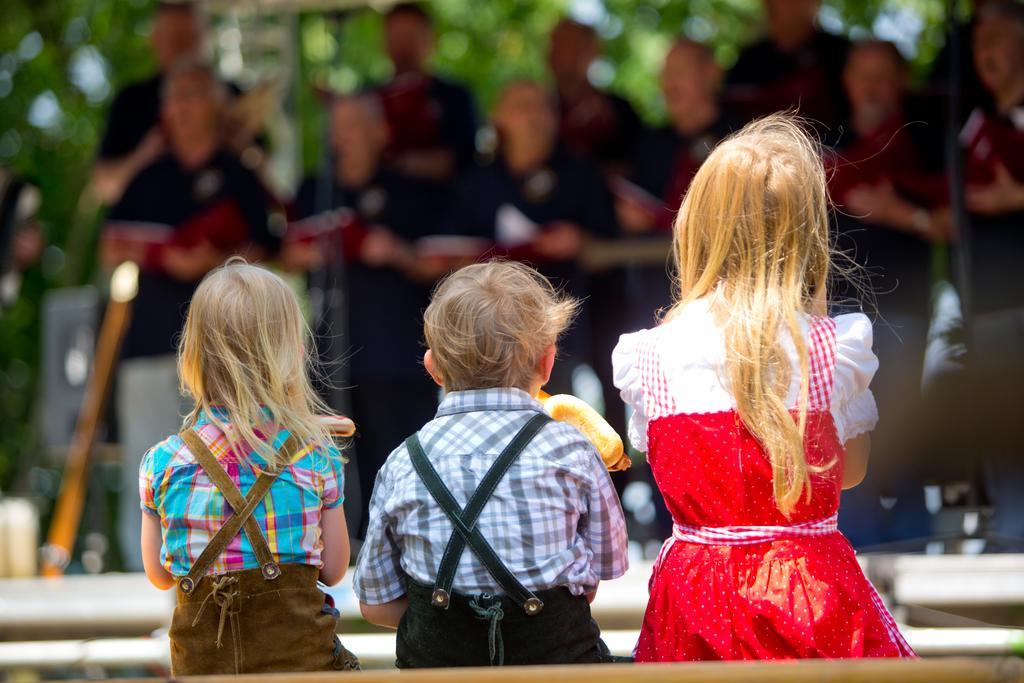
554	519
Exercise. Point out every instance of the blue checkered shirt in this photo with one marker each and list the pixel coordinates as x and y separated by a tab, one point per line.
554	519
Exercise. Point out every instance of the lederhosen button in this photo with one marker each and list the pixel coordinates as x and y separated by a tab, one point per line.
440	598
186	585
270	571
533	606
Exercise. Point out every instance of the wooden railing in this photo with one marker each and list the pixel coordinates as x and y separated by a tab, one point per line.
833	671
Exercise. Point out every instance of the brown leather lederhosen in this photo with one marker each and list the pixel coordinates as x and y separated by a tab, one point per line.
269	619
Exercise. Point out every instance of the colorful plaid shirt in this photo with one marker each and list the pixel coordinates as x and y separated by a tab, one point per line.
174	487
554	519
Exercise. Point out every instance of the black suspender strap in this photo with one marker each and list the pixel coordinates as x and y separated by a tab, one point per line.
464	519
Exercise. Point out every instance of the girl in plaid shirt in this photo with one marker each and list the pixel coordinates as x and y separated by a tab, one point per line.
246	566
492	526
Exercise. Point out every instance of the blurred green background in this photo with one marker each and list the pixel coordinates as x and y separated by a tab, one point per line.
61	61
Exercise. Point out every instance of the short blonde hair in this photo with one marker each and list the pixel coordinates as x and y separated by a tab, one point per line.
489	324
247	351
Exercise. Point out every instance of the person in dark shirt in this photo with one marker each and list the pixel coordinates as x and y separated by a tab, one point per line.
386	286
972	92
795	65
994	141
133	138
884	225
593	124
538	201
994	137
179	218
666	158
663	163
432	120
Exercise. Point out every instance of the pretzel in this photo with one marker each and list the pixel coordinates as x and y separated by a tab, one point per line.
578	413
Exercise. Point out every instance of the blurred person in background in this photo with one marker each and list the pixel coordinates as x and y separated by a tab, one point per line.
594	124
539	203
663	162
884	225
602	127
386	285
972	92
994	140
795	65
133	138
432	120
180	217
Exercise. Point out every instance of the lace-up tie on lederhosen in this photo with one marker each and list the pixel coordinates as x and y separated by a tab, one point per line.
272	618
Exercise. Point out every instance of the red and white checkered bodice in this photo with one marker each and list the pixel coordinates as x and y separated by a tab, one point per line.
711	470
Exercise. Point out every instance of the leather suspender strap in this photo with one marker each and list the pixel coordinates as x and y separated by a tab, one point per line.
464	520
243	506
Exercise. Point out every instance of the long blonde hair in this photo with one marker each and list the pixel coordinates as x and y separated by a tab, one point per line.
246	354
752	237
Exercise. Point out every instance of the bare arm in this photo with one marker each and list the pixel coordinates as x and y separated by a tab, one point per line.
336	553
151	545
858	449
388	614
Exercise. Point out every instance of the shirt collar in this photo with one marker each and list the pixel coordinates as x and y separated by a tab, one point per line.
475	400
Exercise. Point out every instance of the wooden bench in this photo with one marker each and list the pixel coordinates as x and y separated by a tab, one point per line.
835	671
377	650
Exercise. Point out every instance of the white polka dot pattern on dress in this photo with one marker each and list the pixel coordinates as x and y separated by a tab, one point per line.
738	579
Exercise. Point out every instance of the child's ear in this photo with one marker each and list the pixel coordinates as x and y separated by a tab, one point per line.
547	362
428	363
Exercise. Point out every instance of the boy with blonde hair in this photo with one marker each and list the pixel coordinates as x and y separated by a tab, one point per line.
493	474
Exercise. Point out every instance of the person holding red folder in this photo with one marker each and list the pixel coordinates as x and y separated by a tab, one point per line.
180	217
431	120
537	201
379	214
994	148
663	163
593	123
878	179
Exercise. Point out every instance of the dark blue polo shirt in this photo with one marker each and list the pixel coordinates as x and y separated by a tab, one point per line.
813	74
385	308
455	118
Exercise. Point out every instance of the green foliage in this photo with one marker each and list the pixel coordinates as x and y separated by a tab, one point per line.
60	60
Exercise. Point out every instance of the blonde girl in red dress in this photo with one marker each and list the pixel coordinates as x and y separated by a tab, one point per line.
754	409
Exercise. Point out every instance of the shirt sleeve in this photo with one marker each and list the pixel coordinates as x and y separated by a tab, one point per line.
147	483
379	577
627	379
603	526
333	493
853	405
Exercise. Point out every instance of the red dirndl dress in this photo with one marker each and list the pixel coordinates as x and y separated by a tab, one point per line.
739	580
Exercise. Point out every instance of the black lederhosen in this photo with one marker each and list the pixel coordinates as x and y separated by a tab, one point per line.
445	628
